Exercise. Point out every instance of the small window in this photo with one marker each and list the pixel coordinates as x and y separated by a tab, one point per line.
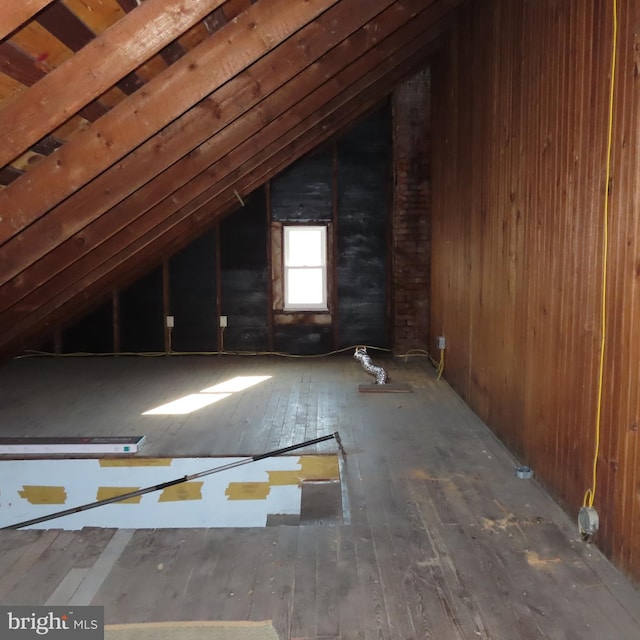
305	268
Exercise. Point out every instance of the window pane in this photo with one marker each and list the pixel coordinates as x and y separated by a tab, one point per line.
305	286
305	247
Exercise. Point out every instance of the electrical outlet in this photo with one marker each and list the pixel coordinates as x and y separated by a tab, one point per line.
170	322
223	322
441	342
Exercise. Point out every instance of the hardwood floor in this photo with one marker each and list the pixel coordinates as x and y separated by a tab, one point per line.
439	538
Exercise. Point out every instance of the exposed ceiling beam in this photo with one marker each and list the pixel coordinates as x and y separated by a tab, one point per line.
18	65
94	69
378	39
282	83
166	97
172	51
23	68
95	286
62	23
342	91
14	13
185	134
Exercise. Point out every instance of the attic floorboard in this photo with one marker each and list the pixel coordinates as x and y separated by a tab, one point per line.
440	539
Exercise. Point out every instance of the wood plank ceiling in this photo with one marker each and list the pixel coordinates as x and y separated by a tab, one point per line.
129	126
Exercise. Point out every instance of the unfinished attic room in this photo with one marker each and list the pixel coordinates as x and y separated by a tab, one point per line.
320	319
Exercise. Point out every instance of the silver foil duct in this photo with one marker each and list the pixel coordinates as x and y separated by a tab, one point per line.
379	373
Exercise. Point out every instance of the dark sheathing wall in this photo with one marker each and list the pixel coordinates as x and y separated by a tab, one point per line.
304	194
92	334
141	316
244	276
303	339
192	296
304	191
363	206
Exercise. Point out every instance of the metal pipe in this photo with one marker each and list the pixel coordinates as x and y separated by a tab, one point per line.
379	373
170	483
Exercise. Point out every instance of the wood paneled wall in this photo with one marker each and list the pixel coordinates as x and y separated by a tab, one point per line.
521	112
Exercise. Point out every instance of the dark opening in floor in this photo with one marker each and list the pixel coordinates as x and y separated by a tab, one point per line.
320	504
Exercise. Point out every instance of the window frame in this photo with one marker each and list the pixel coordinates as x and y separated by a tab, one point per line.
286	268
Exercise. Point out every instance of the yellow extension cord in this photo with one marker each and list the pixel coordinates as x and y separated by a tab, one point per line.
438	364
590	493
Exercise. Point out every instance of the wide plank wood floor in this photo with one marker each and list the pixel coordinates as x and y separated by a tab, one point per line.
440	539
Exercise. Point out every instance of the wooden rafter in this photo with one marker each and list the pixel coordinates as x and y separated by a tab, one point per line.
211	64
179	180
145	162
14	14
21	67
94	69
178	88
148	251
71	31
186	133
390	54
173	51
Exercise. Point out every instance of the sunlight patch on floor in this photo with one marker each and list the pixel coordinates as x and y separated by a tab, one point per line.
210	395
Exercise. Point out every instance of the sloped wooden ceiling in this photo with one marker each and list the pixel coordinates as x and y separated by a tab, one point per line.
127	127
